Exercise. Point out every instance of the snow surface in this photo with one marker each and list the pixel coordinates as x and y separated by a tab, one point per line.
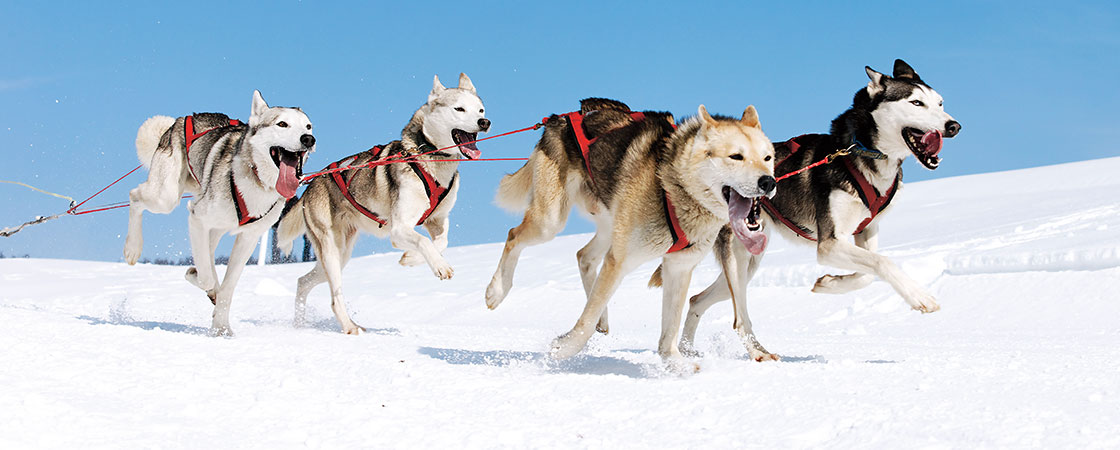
1024	352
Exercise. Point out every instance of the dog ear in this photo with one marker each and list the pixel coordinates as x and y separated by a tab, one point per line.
702	112
878	81
437	88
904	71
465	82
750	117
259	107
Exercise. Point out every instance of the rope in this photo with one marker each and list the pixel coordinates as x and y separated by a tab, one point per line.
40	190
401	157
75	207
827	159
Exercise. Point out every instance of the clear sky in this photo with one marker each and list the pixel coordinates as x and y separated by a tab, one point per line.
1033	83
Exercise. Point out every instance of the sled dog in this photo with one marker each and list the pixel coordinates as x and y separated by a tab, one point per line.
239	174
389	200
889	120
652	189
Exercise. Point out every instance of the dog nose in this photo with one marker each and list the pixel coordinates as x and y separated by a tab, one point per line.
952	127
484	124
307	140
767	184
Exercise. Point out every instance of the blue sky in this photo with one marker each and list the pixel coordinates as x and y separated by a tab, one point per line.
1033	83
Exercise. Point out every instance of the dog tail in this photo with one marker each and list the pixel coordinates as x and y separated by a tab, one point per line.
655	279
514	189
292	225
149	135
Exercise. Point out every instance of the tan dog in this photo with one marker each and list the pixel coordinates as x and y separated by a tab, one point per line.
650	188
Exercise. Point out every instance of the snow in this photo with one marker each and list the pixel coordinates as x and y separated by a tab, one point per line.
1025	351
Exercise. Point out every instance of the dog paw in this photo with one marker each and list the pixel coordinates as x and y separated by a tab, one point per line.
841	284
495	293
443	271
410	259
132	248
924	303
681	365
566	346
221	331
761	355
353	330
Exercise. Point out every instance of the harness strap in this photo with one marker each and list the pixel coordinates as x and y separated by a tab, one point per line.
435	192
680	239
190	137
243	217
575	118
800	230
870	196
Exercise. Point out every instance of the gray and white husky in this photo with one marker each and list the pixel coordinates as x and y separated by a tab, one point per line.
389	200
891	119
239	175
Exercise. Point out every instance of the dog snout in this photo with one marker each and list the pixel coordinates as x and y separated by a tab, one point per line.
767	184
307	140
484	124
952	127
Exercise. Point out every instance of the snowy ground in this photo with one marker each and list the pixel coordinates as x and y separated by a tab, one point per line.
1025	351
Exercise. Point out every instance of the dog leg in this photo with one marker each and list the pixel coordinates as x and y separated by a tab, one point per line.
331	257
610	276
159	194
676	273
717	292
738	276
243	247
437	230
841	284
589	258
838	253
546	216
203	274
306	283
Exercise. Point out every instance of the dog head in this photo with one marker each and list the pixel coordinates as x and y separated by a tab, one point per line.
733	165
908	115
455	116
281	141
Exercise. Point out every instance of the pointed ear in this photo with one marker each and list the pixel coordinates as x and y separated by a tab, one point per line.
750	117
878	81
437	88
465	82
259	108
702	112
904	71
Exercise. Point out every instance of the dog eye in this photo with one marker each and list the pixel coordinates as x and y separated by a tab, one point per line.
481	111
768	157
917	103
460	109
736	157
282	124
308	126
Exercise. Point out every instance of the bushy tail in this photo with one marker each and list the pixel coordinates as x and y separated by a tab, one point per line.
292	225
149	135
655	279
515	188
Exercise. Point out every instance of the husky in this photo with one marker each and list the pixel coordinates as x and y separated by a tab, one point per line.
240	176
891	119
389	200
652	189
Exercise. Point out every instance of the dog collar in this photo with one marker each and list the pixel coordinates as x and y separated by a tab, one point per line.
857	148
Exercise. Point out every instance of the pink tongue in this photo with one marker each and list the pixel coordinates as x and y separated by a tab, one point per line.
931	143
739	209
287	182
470	152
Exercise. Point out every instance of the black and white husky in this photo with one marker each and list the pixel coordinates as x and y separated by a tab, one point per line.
892	118
239	175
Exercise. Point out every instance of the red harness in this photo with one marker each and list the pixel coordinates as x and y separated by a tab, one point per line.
680	239
188	132
436	193
874	202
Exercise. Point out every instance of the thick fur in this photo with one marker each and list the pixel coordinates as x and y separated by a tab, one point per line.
242	153
825	201
394	192
633	165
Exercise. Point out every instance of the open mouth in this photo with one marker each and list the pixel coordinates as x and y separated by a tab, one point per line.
468	149
744	213
290	165
924	145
